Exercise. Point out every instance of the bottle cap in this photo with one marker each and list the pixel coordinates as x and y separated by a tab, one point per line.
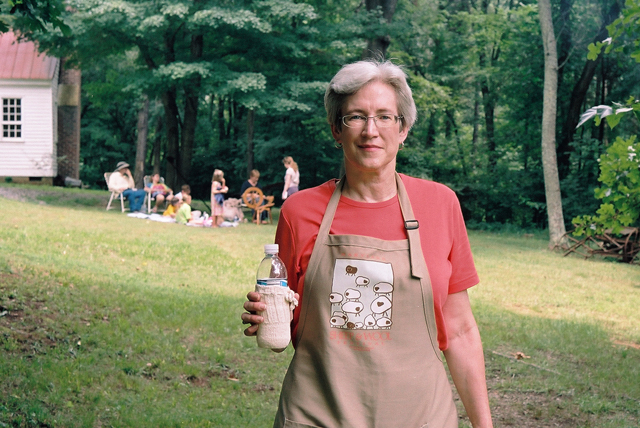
271	248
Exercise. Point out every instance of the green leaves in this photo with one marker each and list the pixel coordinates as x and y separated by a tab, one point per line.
246	82
285	9
179	71
623	31
620	192
239	19
611	114
34	15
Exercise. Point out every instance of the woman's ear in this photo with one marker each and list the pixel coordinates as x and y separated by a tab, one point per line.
403	134
337	133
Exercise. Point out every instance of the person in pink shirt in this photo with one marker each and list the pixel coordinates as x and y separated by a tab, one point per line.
381	265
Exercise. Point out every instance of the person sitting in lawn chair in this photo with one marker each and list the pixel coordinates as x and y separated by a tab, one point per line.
158	191
122	181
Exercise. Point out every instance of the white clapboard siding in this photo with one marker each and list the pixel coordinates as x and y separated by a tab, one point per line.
34	155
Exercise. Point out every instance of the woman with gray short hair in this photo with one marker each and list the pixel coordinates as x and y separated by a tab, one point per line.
381	264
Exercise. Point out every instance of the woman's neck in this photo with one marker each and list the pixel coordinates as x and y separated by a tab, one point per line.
370	187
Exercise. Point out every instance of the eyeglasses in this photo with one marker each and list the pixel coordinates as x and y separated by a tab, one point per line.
359	121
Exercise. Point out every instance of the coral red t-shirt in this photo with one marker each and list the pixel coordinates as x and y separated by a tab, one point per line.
443	235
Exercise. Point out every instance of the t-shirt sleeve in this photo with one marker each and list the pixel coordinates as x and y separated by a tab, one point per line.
287	249
463	271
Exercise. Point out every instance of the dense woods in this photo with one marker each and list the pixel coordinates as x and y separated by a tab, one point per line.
238	85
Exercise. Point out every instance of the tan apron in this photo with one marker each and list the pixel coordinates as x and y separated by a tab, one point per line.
367	352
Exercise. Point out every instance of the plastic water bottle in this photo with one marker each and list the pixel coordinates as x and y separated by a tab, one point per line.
272	270
271	282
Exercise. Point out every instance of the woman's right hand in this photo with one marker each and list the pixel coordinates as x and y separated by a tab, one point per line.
252	306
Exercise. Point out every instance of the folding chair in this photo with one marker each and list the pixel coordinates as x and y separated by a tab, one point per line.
114	193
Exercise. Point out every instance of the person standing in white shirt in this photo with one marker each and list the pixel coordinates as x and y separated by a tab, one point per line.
291	177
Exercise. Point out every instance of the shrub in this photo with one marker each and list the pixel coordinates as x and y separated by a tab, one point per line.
620	190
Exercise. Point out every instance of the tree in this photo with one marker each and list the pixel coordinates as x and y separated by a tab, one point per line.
549	162
33	15
141	146
188	48
619	165
610	11
378	44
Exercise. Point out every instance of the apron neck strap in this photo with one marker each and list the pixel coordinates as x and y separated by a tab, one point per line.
410	223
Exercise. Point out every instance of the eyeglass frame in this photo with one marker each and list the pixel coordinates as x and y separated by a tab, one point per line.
375	120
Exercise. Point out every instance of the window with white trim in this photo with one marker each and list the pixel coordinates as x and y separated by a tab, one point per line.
11	118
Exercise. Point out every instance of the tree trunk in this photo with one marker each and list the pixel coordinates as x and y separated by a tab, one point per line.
431	131
565	37
157	146
172	118
454	128
191	103
377	46
141	146
476	125
489	99
579	93
549	162
221	125
172	122
250	128
489	104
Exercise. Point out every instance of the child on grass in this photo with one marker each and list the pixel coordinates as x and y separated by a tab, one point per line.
218	188
173	208
186	216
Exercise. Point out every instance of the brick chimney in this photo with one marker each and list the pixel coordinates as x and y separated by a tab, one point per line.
69	121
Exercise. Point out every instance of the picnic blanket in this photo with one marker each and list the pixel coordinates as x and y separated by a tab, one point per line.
166	219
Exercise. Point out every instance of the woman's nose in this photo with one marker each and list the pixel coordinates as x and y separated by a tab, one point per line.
370	127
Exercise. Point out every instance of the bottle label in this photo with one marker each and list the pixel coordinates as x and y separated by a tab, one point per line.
273	282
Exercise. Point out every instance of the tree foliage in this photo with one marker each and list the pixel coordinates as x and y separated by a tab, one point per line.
33	15
619	193
620	165
238	84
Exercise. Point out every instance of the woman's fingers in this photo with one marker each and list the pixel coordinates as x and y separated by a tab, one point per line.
251	331
252	306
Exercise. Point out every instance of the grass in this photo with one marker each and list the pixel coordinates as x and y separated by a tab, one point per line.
575	322
111	321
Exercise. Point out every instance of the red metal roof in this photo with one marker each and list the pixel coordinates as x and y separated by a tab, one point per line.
21	60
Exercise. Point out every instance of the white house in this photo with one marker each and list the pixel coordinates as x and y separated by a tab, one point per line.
28	97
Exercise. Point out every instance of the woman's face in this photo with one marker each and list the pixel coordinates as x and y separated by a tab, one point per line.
369	148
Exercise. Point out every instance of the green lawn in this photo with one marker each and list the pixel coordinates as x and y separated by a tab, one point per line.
111	321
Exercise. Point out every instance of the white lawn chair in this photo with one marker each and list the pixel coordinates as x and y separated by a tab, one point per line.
114	193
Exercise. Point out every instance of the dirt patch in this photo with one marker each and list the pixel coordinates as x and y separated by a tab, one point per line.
58	197
530	409
22	194
28	325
